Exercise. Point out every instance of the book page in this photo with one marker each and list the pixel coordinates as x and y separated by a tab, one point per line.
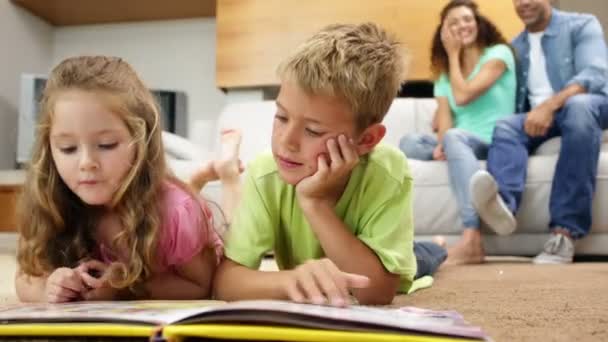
142	312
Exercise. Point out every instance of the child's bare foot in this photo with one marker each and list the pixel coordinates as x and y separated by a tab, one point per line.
227	166
203	175
469	250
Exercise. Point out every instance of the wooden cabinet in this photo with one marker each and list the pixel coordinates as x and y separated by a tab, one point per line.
11	183
253	36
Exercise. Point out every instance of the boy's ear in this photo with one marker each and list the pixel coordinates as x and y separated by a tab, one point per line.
370	137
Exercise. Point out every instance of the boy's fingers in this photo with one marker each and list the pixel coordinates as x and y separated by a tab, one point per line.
322	166
347	149
356	281
330	283
338	278
334	154
294	293
309	286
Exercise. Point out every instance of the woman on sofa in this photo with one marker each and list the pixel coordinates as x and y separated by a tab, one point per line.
475	86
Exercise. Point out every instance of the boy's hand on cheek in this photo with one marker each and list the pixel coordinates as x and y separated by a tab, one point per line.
331	174
321	282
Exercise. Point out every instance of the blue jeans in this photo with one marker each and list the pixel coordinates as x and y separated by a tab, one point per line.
580	123
429	256
463	151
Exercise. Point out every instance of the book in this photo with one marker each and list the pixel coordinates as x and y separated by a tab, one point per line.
249	320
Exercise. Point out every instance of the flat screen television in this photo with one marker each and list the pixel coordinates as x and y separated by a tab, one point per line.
173	107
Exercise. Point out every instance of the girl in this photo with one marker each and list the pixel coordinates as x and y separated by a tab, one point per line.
475	86
101	217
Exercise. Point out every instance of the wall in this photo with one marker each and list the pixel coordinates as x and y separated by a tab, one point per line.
27	47
177	55
267	31
599	8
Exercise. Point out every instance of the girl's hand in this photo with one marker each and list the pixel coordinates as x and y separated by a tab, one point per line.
93	273
96	279
321	282
64	285
451	43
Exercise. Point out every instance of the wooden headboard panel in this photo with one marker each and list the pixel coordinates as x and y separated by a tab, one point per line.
253	36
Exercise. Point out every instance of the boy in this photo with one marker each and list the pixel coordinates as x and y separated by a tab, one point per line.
335	207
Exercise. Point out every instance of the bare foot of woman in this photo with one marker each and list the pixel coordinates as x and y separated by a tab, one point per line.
469	250
227	166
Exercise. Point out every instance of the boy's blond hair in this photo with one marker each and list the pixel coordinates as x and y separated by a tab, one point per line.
362	64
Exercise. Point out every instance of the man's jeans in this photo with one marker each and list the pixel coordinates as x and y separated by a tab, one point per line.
580	125
463	151
429	256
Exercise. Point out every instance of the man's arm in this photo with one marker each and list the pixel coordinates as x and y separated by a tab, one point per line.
590	57
540	118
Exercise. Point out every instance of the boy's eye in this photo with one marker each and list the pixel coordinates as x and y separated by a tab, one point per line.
108	146
67	149
313	133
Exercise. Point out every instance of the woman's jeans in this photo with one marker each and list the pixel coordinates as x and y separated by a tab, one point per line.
429	256
463	151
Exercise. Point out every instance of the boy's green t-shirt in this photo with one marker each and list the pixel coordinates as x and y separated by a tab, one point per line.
376	206
479	116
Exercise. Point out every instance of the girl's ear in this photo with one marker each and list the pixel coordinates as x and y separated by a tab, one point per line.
370	137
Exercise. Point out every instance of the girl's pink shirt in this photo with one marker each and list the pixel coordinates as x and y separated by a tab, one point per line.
187	228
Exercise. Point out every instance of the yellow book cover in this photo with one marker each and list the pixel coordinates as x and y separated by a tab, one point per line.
245	320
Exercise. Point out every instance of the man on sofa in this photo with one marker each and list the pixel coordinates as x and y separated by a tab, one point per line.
562	84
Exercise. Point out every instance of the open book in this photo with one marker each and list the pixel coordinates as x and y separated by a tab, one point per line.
257	320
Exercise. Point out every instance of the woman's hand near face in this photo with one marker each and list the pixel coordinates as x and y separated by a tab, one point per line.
451	43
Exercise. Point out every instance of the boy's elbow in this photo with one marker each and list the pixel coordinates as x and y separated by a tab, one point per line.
382	293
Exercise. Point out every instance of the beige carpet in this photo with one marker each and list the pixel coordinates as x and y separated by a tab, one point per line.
518	301
512	300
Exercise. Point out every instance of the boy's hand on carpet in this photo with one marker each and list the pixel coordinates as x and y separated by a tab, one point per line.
63	285
321	282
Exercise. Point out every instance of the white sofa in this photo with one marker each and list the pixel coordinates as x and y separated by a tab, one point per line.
435	208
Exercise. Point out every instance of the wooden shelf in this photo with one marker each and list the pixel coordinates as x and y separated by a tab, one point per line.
84	12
